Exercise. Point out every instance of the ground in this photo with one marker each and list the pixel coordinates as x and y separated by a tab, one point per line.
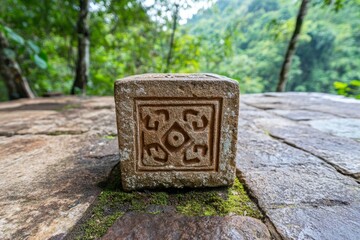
298	167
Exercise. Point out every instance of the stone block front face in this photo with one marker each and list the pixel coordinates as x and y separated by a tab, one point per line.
177	130
180	135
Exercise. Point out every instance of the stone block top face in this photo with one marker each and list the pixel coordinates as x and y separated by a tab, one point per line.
177	130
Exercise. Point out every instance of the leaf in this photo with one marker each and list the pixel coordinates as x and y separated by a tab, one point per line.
9	53
355	83
43	56
14	36
340	85
33	47
41	63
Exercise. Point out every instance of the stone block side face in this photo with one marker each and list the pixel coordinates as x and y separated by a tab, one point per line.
177	130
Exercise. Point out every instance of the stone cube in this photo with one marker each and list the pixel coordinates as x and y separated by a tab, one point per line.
177	130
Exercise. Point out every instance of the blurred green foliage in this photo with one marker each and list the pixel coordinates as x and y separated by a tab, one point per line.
351	89
24	47
247	39
243	39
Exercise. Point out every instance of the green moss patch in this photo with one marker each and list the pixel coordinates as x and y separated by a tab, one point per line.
112	203
110	137
233	200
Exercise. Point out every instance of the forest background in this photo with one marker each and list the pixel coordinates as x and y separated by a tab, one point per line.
242	39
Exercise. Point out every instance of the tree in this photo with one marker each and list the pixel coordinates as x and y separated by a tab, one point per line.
16	84
83	57
285	68
171	44
292	46
175	8
51	26
133	37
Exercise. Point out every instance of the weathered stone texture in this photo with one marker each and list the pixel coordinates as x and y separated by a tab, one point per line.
336	221
279	174
301	115
49	167
317	102
297	154
174	226
58	116
341	152
177	130
343	127
305	180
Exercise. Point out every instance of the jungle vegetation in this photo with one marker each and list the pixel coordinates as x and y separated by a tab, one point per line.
50	47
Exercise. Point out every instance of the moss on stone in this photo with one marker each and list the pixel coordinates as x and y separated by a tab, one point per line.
235	201
112	203
98	224
110	137
159	198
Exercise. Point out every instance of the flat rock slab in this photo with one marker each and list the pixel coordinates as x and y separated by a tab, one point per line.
298	157
343	127
279	174
49	166
321	222
304	176
341	152
58	116
174	226
301	115
316	102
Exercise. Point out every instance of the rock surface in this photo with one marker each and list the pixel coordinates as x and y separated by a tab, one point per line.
341	152
298	155
305	180
324	221
343	127
173	226
177	130
52	157
337	106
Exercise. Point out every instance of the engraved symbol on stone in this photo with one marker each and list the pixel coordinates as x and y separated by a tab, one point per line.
175	138
198	125
178	134
157	152
153	124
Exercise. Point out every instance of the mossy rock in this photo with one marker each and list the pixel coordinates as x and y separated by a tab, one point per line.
113	202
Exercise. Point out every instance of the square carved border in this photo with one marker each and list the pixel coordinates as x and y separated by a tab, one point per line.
177	134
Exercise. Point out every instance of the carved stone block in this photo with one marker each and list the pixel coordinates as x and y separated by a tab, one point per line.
177	130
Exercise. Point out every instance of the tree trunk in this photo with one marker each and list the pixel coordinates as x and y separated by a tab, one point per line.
171	45
83	58
16	84
292	47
